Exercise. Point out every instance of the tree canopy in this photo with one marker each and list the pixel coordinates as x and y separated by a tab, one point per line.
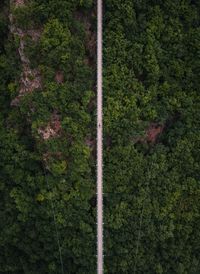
48	136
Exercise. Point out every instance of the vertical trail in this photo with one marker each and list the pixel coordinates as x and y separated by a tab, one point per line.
99	142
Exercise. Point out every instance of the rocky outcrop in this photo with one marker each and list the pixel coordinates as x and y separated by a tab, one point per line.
59	77
52	129
30	78
18	2
152	134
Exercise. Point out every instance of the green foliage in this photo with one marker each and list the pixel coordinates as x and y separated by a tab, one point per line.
151	185
55	43
36	174
152	206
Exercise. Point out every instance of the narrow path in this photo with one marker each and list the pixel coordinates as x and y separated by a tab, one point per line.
99	143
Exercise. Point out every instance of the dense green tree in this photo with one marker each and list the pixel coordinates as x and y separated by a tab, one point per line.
47	222
151	137
151	90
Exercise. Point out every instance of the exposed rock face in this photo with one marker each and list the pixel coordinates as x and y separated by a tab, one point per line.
59	78
153	132
30	78
34	34
52	129
18	2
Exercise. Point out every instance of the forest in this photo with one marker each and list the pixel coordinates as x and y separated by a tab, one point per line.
48	136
